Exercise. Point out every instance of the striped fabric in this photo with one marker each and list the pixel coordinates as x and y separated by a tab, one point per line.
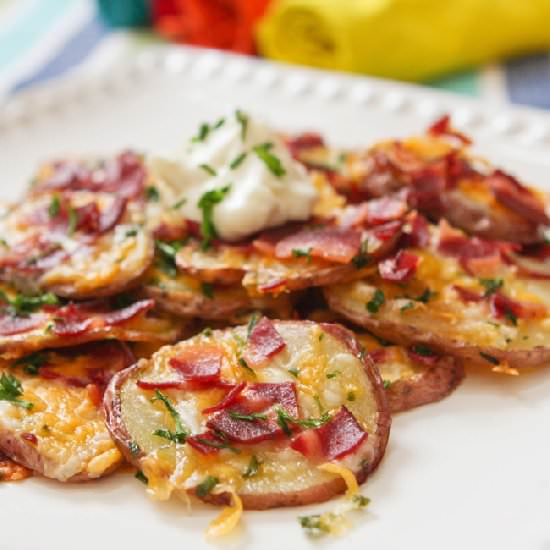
43	39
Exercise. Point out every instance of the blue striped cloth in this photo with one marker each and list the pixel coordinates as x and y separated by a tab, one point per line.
43	39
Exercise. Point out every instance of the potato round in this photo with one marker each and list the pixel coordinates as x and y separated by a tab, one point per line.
285	476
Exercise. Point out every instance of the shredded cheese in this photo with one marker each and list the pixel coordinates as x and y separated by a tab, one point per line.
229	516
347	475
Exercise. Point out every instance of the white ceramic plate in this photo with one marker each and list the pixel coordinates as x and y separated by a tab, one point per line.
470	472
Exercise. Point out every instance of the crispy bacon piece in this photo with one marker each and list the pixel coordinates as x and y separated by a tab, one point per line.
11	325
518	198
200	443
165	232
228	400
336	245
418	231
387	231
443	127
307	140
124	175
75	319
400	268
257	398
33	255
264	342
504	307
200	365
375	211
338	438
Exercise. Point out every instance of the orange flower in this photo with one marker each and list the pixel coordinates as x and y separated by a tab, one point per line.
222	24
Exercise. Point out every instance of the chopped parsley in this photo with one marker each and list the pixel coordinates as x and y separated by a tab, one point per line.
314	524
302	253
252	417
251	324
202	134
207	290
206	331
205	487
489	358
284	419
23	304
511	316
491	285
377	300
73	221
180	434
333	374
407	306
362	259
140	476
351	396
166	256
421	349
134	448
245	366
206	203
208	169
32	363
294	371
242	119
55	207
237	161
360	501
131	233
217	444
425	297
387	384
272	162
178	204
252	468
11	390
152	194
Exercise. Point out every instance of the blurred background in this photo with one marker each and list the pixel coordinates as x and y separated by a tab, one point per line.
497	49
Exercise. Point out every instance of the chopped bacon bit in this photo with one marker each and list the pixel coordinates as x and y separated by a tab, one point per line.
33	255
127	313
10	325
111	216
200	364
386	209
123	175
266	242
443	127
418	234
257	398
505	307
228	400
307	140
339	437
264	342
309	444
72	327
400	268
467	295
273	287
388	231
95	394
518	198
198	443
31	438
337	245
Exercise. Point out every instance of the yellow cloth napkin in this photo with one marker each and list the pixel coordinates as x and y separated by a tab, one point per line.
404	39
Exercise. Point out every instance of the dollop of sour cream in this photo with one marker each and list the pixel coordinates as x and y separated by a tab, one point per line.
264	186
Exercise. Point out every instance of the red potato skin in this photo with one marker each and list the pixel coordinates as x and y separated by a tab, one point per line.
406	334
431	385
320	493
26	454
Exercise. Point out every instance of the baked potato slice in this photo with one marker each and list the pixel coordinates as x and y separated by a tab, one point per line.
77	245
460	297
443	178
248	412
186	296
32	323
51	419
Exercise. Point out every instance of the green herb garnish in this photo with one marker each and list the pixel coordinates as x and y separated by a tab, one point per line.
408	305
178	204
284	419
350	396
242	119
237	161
140	476
313	524
166	256
73	221
424	351
302	253
511	316
206	203
55	207
252	417
360	501
374	304
387	384
32	363
152	194
362	259
23	305
206	486
489	358
207	290
252	468
180	434
251	324
491	285
134	448
294	371
272	162
208	169
217	444
333	374
11	390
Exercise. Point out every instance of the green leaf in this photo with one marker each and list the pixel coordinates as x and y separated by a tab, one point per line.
491	285
425	297
362	259
252	323
166	256
180	434
351	396
294	371
237	161
202	134
134	448
208	169
407	306
489	358
252	468
206	203
55	207
217	444
11	389
313	524
205	487
73	221
387	384
141	477
242	119
252	417
332	374
360	501
302	253
178	204
207	290
284	419
32	363
152	194
423	350
374	304
272	162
